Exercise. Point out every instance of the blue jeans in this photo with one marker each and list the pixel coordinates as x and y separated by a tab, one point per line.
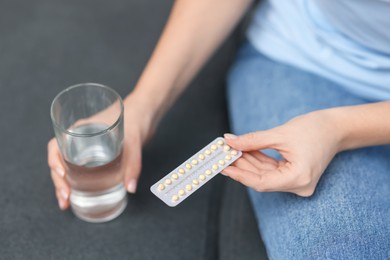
348	217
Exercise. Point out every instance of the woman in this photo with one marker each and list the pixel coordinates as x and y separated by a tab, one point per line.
311	84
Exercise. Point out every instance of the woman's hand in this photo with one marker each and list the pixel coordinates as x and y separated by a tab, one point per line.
138	129
307	144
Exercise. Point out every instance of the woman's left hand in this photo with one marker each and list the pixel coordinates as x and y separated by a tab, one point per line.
307	144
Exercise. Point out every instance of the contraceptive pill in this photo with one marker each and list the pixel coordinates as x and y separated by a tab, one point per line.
195	172
188	187
161	186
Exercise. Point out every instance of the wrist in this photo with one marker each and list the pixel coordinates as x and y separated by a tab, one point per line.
337	127
141	103
140	111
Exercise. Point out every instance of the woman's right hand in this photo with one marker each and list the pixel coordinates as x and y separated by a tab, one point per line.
138	128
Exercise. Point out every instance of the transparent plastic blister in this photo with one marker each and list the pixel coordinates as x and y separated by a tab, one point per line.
195	172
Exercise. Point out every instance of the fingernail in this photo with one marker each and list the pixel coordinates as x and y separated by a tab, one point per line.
230	136
132	186
64	194
60	171
61	204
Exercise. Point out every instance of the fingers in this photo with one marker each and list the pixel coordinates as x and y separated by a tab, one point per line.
58	174
62	203
132	158
264	158
260	160
284	178
267	181
246	165
252	141
62	189
54	158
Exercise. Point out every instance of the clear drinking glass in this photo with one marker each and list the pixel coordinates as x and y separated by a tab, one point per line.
88	125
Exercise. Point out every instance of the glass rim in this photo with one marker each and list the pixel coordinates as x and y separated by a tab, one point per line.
116	122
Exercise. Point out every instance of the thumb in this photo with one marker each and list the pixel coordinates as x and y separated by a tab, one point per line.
132	159
252	141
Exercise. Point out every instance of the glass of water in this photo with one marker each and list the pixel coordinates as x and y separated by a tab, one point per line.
88	125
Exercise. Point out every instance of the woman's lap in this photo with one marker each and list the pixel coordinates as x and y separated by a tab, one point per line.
349	214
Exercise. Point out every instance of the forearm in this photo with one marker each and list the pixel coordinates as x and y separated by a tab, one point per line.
362	125
193	32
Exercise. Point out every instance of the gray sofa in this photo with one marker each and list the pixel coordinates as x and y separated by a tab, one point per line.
47	45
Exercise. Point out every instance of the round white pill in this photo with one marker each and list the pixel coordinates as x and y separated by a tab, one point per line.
194	162
168	182
226	147
175	176
181	171
207	152
202	177
195	182
161	186
220	142
221	162
207	172
175	198
188	166
228	157
215	167
234	152
188	187
181	192
214	147
201	157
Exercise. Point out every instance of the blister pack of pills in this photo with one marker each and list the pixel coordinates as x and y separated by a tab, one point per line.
195	172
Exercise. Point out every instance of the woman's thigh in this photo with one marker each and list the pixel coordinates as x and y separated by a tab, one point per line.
349	214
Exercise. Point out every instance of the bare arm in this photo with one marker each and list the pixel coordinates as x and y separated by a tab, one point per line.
194	31
363	125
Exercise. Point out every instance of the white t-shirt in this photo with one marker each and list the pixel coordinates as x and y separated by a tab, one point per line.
347	41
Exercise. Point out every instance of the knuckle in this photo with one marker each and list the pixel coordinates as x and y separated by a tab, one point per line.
51	160
50	144
239	162
251	136
304	180
236	177
260	188
308	192
53	177
303	176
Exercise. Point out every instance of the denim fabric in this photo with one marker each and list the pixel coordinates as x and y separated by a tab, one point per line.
348	217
